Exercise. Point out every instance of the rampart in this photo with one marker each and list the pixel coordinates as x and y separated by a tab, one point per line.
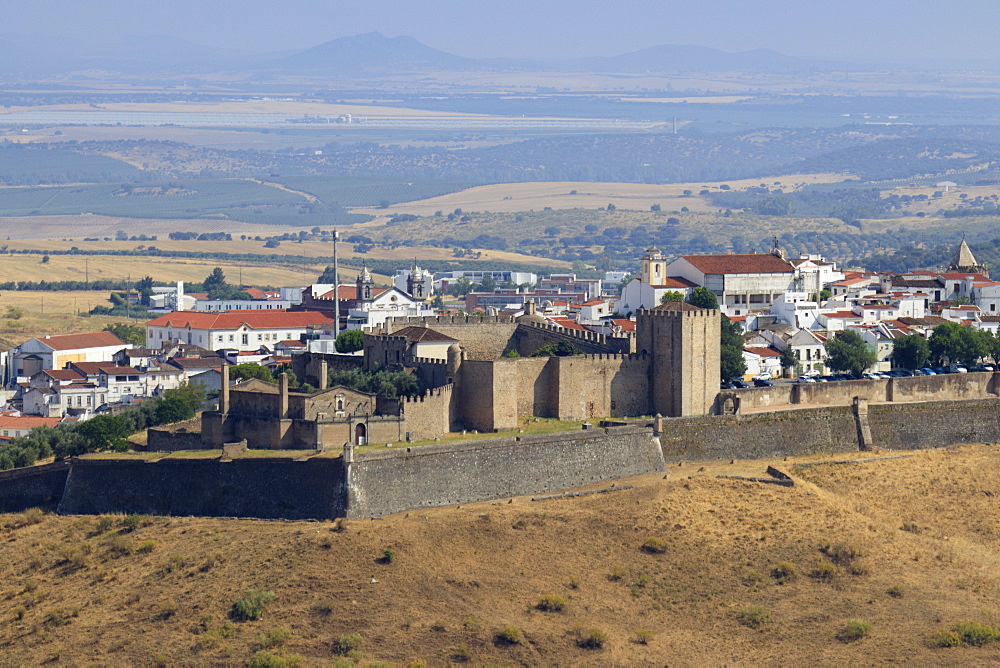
482	337
945	387
32	487
530	336
264	488
179	436
391	481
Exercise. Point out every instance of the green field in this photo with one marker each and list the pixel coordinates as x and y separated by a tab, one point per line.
221	199
19	166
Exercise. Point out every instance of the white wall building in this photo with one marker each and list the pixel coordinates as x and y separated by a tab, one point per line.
240	330
54	352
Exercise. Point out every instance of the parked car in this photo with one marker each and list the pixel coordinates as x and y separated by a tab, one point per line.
740	383
762	382
762	376
805	379
984	367
810	374
957	369
726	385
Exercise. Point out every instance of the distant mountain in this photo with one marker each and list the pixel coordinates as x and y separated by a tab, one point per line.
369	53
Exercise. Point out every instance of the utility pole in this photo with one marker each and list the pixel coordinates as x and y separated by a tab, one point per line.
336	287
86	271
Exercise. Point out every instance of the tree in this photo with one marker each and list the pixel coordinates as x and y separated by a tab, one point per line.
787	358
910	351
104	432
179	404
488	283
350	341
144	286
437	302
328	276
655	208
731	361
958	343
45	259
703	298
671	296
558	349
847	351
249	370
461	287
132	334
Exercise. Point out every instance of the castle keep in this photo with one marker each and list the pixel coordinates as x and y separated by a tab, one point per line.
481	375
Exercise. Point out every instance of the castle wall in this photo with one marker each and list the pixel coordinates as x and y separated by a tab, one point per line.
428	416
595	386
396	480
264	488
32	487
935	425
684	346
179	436
537	380
529	337
481	337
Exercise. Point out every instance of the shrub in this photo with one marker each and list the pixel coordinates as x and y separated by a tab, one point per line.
325	607
753	616
146	546
617	574
118	545
264	659
19	612
911	527
510	635
976	634
643	637
824	573
592	638
273	638
654	546
416	663
251	606
134	521
856	629
103	525
461	654
350	642
895	592
945	639
551	603
841	553
783	571
32	516
388	556
167	610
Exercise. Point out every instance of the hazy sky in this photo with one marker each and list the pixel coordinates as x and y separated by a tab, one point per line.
540	28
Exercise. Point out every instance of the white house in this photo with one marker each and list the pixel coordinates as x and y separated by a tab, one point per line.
240	330
796	309
741	282
761	360
808	349
391	303
647	289
55	352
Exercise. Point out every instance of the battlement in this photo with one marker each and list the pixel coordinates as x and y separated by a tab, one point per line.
593	337
433	393
470	320
427	361
699	313
611	356
389	338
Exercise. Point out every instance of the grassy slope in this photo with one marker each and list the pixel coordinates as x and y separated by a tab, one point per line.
461	574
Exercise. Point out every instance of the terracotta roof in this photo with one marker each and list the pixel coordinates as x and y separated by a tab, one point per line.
676	306
595	302
764	352
842	314
99	367
255	293
959	275
989	318
927	320
566	323
63	374
673	282
626	324
747	263
259	319
27	422
140	352
292	343
422	334
74	341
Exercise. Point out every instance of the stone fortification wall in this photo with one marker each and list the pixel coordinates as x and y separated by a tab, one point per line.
431	372
590	386
272	489
392	481
481	337
429	415
32	487
179	436
946	387
529	337
934	425
536	378
778	434
308	366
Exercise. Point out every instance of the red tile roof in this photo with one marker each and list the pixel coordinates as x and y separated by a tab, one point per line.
63	374
764	352
566	323
75	341
625	324
98	367
260	319
748	263
27	422
255	293
842	314
423	334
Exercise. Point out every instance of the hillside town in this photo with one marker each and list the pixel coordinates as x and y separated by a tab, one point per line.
786	310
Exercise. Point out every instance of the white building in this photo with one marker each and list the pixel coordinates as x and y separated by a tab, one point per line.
741	282
240	330
55	352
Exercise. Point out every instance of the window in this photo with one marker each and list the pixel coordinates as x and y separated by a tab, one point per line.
231	338
89	399
246	339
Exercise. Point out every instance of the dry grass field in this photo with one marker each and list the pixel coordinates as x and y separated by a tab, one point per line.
50	313
510	197
741	574
92	225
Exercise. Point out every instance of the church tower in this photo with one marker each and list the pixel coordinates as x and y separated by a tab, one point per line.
654	268
964	261
365	284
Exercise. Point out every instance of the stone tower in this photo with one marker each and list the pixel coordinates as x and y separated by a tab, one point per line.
683	342
965	262
365	284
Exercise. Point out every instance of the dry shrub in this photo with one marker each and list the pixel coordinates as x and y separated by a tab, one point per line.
783	571
753	616
551	603
510	635
855	630
654	545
